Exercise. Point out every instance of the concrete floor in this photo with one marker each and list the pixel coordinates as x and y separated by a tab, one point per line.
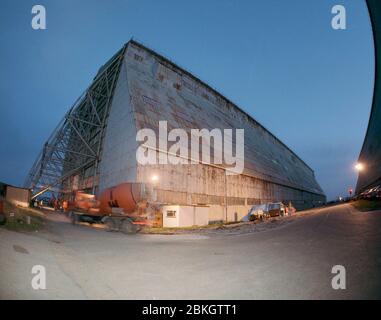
290	262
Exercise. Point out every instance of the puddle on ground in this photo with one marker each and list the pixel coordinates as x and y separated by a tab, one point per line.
20	249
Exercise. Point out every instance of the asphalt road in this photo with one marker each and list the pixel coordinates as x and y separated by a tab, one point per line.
290	262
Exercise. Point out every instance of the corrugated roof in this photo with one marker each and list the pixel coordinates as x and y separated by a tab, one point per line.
176	66
266	157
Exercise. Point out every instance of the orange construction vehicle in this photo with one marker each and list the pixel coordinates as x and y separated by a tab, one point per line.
120	208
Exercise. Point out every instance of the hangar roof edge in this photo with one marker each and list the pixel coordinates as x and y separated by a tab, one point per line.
188	73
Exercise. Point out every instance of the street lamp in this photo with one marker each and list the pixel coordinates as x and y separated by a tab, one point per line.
359	166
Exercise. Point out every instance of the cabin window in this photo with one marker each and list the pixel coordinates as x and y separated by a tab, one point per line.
171	213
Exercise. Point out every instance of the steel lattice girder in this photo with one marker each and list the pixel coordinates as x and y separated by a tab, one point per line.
76	143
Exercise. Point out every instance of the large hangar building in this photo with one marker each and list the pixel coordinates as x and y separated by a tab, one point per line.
370	155
94	146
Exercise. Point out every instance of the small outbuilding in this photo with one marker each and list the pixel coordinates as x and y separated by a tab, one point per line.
17	196
185	216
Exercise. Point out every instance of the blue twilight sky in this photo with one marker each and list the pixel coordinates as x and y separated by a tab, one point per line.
279	60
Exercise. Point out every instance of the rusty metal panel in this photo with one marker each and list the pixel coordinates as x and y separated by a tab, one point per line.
161	91
152	89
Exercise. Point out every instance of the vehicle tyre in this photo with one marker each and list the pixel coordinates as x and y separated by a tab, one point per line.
74	218
128	227
110	224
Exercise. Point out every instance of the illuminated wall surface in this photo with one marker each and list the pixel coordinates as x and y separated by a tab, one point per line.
151	89
94	147
370	154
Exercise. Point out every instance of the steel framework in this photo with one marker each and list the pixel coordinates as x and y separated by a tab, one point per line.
75	146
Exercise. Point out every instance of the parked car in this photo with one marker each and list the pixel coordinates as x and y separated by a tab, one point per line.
371	193
378	192
268	210
258	212
363	194
374	193
276	209
368	193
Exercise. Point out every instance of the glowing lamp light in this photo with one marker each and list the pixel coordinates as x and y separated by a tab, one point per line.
359	167
155	178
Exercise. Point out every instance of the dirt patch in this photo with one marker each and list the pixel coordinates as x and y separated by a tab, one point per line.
20	249
22	219
231	228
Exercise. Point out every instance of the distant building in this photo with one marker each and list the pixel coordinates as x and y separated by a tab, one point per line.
3	188
15	195
94	146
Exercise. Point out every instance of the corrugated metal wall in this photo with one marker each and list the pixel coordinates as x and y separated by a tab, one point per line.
118	163
370	154
149	90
